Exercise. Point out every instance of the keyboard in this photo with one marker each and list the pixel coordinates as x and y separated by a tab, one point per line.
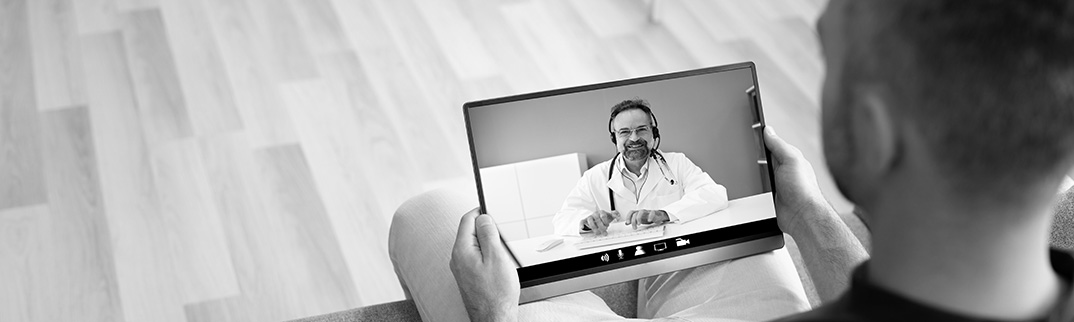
620	237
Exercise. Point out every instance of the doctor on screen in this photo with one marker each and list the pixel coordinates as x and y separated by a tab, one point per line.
640	185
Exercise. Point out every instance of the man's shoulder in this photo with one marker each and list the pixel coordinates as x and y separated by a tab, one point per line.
673	154
599	169
676	157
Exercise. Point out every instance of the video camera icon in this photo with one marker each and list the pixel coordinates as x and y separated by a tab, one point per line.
679	242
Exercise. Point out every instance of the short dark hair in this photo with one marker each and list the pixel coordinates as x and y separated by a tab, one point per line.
631	104
988	83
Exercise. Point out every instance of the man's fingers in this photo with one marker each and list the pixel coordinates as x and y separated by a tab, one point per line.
466	235
605	216
781	150
488	236
601	228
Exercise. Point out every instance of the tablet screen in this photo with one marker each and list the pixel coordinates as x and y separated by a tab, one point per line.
592	178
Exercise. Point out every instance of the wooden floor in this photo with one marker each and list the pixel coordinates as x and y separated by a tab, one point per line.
240	160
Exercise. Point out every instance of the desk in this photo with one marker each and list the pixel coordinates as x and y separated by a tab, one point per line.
739	211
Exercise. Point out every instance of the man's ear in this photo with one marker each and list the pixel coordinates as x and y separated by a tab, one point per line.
874	131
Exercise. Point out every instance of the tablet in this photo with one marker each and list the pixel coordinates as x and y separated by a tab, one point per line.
692	162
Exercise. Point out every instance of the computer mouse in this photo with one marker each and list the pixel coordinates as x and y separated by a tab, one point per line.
549	244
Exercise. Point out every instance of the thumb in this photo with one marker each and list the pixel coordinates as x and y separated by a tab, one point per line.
781	150
488	236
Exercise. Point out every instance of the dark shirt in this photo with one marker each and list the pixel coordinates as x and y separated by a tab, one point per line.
867	302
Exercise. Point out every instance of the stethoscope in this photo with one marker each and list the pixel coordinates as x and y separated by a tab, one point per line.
660	164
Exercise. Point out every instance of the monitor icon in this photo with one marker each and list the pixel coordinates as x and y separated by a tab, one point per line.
681	242
660	246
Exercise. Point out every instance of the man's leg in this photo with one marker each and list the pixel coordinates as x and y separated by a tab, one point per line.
755	288
419	244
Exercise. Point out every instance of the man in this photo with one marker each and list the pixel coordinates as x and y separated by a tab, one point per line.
640	185
950	123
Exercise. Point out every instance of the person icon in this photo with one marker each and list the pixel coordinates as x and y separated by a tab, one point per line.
639	252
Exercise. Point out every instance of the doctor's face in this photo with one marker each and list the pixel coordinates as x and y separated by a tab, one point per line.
634	134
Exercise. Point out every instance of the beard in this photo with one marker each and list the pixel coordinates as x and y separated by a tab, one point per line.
636	150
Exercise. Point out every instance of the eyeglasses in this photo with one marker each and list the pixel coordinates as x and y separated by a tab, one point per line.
640	131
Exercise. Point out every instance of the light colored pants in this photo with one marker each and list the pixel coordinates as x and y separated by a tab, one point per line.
754	288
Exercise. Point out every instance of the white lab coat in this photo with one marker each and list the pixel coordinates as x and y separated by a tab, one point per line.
694	194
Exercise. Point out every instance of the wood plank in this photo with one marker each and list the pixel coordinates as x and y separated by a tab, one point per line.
198	245
286	49
96	16
134	5
669	52
320	26
207	92
155	79
792	47
427	114
77	277
23	231
288	257
518	66
440	120
727	27
486	88
611	18
21	178
148	278
572	54
253	81
460	43
694	37
58	78
634	57
341	142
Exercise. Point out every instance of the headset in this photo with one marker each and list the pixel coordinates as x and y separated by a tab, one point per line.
644	107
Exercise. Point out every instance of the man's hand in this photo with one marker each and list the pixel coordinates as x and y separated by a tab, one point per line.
598	221
829	249
798	196
646	217
484	271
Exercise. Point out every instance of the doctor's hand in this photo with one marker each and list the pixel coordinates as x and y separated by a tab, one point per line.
599	220
798	198
484	270
646	217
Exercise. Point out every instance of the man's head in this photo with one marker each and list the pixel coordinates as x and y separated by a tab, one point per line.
633	129
979	93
